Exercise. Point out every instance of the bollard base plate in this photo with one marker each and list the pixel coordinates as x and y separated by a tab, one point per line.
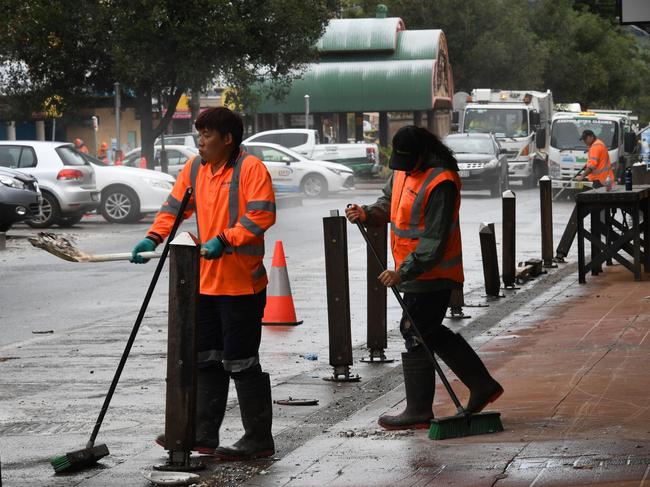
342	374
377	357
180	461
510	288
475	305
456	313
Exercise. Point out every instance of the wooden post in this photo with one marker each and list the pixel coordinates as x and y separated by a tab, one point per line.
509	204
546	208
490	259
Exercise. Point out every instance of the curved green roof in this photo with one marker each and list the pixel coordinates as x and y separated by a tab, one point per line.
358	87
353	35
372	65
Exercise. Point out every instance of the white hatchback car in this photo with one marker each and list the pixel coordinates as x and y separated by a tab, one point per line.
177	156
293	172
66	180
129	193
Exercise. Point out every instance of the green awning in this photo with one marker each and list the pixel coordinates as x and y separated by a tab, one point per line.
354	35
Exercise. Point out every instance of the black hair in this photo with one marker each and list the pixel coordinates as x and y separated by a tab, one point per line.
435	151
224	121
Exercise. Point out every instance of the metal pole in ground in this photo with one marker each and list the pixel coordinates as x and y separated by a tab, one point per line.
180	405
3	240
456	303
567	237
509	204
546	209
338	296
490	260
376	313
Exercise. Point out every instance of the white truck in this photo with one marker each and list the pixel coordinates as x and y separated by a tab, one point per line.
520	120
362	158
567	154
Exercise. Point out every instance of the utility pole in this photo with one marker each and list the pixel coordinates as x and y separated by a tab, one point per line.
117	117
306	111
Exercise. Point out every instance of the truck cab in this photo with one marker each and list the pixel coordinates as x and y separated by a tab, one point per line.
568	154
520	121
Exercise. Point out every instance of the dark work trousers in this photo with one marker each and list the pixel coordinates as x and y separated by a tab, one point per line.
428	310
230	330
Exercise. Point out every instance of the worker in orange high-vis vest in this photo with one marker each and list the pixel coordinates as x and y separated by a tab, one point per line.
421	200
598	167
234	204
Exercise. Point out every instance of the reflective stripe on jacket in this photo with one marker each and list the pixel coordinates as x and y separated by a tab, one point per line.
599	163
236	203
410	194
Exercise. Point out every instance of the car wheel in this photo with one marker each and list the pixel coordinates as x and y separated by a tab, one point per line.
120	205
50	211
68	221
314	185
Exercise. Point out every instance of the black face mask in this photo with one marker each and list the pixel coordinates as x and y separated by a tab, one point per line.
402	164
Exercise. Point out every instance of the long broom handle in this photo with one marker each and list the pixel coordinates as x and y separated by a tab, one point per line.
138	321
572	179
401	302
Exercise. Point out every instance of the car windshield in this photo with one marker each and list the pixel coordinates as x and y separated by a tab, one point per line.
502	122
470	145
70	156
565	134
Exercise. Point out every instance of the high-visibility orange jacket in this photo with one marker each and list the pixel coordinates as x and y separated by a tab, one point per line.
409	197
237	204
598	161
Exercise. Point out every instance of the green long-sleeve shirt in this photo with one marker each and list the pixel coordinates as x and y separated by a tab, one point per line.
438	218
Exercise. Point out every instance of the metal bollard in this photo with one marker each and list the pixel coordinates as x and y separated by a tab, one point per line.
180	404
546	209
338	297
567	237
377	322
490	260
508	205
3	240
456	303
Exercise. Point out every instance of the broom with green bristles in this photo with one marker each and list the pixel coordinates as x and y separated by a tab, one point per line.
80	459
464	423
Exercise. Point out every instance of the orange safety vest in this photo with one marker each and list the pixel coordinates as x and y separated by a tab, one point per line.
408	202
598	161
236	202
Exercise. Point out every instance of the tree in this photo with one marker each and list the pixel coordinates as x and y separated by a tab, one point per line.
155	48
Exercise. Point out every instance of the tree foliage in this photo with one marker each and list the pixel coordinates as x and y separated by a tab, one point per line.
156	49
574	48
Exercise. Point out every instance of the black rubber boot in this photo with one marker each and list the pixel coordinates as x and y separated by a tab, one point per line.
254	395
211	399
420	383
469	368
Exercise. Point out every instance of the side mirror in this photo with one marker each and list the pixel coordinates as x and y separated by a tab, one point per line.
540	138
629	142
286	159
455	117
535	119
502	151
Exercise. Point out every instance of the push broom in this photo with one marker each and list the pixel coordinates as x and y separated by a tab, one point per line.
86	457
464	423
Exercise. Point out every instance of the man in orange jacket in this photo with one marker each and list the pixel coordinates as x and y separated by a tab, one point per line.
598	167
234	204
421	201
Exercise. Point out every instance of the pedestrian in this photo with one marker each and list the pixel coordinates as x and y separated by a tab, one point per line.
80	146
234	204
421	200
102	155
598	167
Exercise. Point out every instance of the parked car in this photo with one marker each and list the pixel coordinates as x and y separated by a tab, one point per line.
293	172
188	140
177	156
129	193
362	158
66	179
20	198
482	163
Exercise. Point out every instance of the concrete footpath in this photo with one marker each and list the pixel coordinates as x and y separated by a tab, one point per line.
574	361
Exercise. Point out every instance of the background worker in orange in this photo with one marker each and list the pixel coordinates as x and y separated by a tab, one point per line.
102	154
598	166
80	146
421	201
234	204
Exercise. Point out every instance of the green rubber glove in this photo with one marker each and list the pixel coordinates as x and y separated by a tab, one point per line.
212	249
144	245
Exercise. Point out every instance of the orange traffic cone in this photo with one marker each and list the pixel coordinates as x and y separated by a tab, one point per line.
279	303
